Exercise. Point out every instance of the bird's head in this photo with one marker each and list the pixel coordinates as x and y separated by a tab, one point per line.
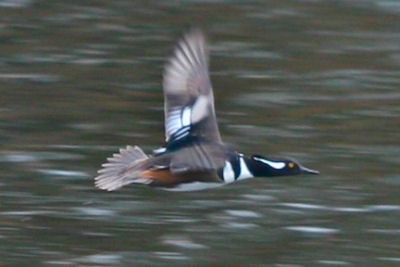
263	166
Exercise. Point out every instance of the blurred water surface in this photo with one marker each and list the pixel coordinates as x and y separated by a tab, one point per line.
316	80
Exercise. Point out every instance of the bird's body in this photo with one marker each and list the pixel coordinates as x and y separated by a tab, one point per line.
193	149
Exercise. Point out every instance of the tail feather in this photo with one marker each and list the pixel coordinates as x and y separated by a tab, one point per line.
122	169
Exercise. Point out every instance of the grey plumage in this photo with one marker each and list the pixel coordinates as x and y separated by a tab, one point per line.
122	169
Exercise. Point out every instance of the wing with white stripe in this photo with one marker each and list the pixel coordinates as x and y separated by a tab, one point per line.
189	99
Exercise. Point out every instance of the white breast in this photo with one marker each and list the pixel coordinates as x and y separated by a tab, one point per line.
228	174
244	171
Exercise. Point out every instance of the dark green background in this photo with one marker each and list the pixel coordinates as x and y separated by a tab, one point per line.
314	80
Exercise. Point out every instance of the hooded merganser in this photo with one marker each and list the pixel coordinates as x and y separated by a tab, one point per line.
193	150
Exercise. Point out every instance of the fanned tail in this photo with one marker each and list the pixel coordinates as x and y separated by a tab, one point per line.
122	169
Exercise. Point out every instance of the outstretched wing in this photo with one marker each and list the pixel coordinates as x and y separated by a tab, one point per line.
189	100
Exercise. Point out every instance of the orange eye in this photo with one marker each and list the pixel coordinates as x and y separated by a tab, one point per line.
291	165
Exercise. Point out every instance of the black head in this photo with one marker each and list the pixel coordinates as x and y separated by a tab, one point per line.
262	166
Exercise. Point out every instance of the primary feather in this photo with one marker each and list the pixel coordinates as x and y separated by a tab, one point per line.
189	100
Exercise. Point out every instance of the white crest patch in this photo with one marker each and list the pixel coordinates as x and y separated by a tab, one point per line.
244	171
274	164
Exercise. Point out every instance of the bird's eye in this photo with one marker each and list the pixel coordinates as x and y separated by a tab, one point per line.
291	165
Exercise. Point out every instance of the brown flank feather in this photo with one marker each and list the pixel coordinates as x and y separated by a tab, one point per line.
161	177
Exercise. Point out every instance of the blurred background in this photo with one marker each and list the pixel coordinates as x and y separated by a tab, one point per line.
316	80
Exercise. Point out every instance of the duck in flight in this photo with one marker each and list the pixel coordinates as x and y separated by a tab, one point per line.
193	151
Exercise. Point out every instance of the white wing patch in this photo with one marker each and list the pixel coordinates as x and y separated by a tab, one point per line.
273	164
186	116
180	120
200	110
174	121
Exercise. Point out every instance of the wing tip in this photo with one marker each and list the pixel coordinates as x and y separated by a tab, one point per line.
193	38
195	32
189	55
